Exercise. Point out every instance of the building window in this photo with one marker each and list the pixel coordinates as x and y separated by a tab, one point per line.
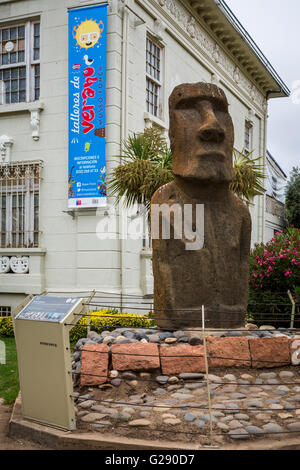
153	78
248	137
5	311
19	63
19	205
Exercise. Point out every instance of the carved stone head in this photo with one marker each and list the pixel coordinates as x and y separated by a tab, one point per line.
201	133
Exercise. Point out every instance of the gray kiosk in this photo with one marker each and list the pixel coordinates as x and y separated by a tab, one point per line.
44	359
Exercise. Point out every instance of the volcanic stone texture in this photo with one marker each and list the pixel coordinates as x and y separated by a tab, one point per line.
183	358
215	274
94	361
269	352
228	352
137	356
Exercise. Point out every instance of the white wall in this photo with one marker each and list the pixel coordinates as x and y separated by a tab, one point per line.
75	258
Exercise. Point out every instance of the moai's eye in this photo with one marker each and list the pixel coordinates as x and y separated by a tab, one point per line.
221	105
185	104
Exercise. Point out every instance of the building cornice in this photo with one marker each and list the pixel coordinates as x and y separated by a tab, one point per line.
254	48
227	29
204	22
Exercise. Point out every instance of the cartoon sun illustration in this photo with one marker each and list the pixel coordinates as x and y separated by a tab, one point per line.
88	33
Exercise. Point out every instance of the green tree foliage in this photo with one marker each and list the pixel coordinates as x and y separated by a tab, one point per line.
293	198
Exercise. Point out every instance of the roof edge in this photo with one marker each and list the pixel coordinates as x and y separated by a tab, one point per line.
228	13
276	163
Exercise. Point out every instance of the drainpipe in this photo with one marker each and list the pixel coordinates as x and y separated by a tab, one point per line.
265	150
124	130
265	168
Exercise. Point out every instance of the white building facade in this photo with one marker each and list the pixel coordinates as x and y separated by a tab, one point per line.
275	197
152	46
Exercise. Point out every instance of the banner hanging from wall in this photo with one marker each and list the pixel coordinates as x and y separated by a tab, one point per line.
87	102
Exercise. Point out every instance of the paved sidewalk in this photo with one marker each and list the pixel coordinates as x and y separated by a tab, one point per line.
6	443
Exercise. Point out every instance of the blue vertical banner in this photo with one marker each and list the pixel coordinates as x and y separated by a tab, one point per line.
87	103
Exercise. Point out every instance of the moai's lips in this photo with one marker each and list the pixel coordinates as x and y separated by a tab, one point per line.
212	154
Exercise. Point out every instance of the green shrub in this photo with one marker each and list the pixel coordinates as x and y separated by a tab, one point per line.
103	320
6	327
275	269
109	320
272	308
293	198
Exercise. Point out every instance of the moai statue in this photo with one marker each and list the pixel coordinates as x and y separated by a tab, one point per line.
213	270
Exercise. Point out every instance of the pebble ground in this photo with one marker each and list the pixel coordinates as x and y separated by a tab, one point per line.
244	405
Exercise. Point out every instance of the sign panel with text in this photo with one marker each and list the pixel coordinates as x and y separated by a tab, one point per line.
87	102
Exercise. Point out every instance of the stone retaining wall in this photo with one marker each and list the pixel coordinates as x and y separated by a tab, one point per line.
246	352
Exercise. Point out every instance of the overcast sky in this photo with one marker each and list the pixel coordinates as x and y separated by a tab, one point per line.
275	27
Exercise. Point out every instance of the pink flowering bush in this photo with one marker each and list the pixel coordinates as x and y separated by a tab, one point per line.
275	269
275	266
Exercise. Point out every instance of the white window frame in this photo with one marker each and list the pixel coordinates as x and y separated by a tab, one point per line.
5	311
28	205
29	61
249	129
27	189
158	83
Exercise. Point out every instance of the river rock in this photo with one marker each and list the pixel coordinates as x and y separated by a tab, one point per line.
254	430
239	434
272	428
139	422
172	421
92	417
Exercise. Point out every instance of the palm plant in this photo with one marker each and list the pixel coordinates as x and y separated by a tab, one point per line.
146	164
145	145
248	176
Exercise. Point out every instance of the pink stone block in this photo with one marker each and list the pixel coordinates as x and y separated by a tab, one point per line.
228	352
269	352
183	358
136	356
94	364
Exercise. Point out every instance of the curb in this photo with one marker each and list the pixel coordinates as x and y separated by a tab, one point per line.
67	440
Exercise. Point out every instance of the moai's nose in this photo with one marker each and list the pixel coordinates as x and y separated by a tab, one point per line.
210	130
212	134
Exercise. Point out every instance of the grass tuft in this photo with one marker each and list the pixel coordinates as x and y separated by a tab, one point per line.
9	375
